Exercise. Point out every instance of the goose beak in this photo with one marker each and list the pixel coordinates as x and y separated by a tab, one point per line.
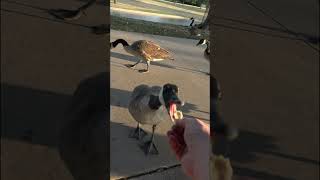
173	112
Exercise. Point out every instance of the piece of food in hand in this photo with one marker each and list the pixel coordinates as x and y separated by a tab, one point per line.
178	115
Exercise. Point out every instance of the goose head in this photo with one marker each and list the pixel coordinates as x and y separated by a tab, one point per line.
170	99
202	42
118	41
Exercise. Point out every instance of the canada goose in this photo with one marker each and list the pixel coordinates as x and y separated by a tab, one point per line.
144	50
152	105
70	15
194	29
206	52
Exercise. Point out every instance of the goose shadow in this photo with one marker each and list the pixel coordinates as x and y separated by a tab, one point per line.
74	125
134	60
31	115
45	18
83	139
92	29
119	97
189	107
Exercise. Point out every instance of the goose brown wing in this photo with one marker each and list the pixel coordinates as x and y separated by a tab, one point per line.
151	50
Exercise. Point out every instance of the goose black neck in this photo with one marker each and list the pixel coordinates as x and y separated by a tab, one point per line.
121	41
192	21
154	102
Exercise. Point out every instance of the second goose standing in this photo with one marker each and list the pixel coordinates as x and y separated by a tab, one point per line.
145	50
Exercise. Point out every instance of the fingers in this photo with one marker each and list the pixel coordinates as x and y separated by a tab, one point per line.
177	148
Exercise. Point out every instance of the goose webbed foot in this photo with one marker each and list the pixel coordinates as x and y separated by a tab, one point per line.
145	70
149	148
138	133
130	65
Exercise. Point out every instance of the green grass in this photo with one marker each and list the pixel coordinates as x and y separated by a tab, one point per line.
133	25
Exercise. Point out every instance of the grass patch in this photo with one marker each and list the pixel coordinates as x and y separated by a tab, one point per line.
159	7
133	25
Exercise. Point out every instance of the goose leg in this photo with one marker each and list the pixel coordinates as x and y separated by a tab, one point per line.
133	65
145	70
149	147
138	133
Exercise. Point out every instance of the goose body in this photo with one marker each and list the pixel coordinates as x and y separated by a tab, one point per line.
145	50
139	106
152	105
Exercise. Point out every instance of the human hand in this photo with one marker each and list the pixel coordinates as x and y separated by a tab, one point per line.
189	139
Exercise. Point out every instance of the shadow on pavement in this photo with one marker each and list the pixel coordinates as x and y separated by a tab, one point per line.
31	115
134	59
250	144
311	38
76	125
84	137
119	97
189	107
246	172
44	18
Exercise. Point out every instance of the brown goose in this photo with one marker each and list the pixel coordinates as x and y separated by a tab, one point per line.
152	105
145	50
69	15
